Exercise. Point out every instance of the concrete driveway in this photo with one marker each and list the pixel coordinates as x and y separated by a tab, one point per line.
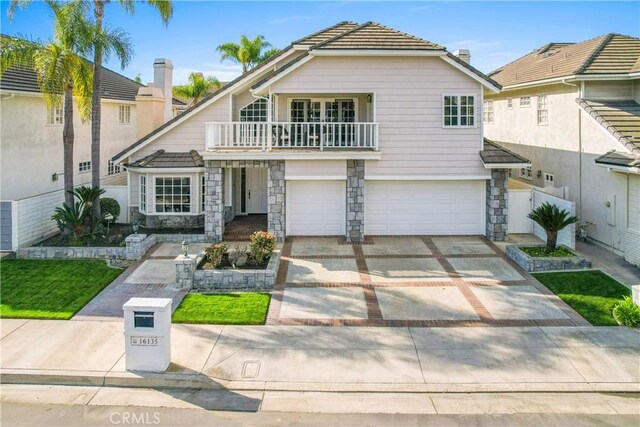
409	281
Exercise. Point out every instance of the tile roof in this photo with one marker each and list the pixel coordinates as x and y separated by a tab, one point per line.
326	33
620	118
617	158
163	159
494	154
607	54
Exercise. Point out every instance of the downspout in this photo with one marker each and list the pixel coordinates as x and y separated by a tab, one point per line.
580	94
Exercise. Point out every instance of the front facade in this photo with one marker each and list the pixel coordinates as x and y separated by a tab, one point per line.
573	110
355	130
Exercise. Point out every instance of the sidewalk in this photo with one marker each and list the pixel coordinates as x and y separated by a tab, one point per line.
286	358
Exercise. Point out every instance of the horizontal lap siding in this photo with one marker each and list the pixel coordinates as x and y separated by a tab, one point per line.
408	103
299	169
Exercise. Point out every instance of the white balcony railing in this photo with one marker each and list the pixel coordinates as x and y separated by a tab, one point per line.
291	135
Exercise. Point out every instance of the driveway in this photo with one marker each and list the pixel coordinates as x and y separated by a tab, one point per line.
409	281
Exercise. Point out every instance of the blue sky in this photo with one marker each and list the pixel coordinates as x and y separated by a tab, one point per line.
495	32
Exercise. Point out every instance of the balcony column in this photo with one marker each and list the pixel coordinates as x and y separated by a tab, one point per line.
213	201
276	189
355	201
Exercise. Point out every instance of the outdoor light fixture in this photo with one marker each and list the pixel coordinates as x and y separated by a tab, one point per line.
135	225
185	247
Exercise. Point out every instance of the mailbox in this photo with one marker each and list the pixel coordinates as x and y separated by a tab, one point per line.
147	332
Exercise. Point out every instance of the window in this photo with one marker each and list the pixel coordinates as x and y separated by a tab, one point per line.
84	166
459	110
202	195
510	103
254	112
173	195
525	101
54	115
549	179
125	114
143	193
113	168
525	173
488	111
543	113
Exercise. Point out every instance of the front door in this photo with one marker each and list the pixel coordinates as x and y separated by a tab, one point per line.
256	192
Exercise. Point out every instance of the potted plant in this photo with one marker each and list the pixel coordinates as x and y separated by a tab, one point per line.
552	219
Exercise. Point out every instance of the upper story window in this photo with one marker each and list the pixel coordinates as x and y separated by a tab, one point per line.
113	168
525	173
254	112
488	111
125	114
525	101
510	103
543	112
173	195
54	115
459	110
84	166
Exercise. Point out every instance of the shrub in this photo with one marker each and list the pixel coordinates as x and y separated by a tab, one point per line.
627	313
552	219
214	253
110	206
261	246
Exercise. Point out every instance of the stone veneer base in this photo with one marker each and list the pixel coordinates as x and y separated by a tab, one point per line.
531	264
220	281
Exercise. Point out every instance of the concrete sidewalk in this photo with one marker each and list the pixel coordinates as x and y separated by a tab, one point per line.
331	359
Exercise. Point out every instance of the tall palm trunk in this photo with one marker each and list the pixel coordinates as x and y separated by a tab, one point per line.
96	108
67	142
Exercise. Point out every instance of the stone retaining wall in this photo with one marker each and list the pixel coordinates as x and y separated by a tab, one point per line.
215	281
136	246
529	263
180	237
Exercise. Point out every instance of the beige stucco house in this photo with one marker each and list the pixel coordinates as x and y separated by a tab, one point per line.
573	110
351	131
31	150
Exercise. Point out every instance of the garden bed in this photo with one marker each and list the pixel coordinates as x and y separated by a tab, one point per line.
116	236
226	265
561	259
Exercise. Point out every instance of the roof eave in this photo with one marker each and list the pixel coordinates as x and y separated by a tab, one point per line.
489	165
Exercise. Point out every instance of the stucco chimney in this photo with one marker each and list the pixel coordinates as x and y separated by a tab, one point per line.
150	105
163	79
463	54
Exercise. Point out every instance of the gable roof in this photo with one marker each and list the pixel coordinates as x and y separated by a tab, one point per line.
606	54
493	156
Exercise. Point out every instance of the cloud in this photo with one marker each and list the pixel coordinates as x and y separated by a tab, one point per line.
285	19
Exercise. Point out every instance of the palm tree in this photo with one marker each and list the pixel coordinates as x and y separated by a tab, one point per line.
198	87
248	53
61	73
552	219
102	47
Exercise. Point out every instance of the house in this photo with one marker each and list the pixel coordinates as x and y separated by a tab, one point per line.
573	110
31	168
358	129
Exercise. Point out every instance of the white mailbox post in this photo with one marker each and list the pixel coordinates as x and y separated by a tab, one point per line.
147	332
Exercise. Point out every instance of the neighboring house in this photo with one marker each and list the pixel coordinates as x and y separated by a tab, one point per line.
354	130
573	109
32	151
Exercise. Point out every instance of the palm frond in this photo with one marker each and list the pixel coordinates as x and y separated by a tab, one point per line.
165	7
16	53
114	41
14	5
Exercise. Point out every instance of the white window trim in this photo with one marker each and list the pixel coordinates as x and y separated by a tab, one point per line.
485	112
545	123
84	163
475	111
548	181
252	102
191	194
525	105
509	103
524	175
146	193
128	109
322	106
61	116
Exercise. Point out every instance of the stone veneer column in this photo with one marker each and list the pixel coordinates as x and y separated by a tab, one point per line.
213	201
276	221
497	215
355	201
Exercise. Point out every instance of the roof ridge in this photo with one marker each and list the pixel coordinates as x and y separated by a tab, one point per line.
413	36
336	37
323	30
606	39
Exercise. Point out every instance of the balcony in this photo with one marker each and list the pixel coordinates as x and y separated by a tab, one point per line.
268	136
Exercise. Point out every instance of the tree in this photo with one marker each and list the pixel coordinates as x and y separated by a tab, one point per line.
198	87
552	219
248	53
138	78
102	47
61	73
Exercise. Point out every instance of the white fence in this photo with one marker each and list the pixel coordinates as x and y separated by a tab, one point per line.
566	236
519	206
31	217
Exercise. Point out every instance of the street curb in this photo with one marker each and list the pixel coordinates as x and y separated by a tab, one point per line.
198	381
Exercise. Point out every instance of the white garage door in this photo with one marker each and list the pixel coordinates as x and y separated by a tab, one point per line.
316	208
424	207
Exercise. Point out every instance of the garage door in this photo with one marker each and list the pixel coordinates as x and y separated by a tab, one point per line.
316	208
424	207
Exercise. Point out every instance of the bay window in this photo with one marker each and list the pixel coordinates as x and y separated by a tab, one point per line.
173	194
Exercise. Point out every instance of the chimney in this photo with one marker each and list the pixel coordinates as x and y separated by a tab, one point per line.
463	54
150	105
163	79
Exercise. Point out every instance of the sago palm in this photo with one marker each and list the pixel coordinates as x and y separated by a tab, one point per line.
62	75
552	219
199	86
247	53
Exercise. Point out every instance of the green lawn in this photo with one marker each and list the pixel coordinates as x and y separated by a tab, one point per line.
223	309
50	289
536	252
591	293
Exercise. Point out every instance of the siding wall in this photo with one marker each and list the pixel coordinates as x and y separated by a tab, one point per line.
408	105
608	90
323	169
6	230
